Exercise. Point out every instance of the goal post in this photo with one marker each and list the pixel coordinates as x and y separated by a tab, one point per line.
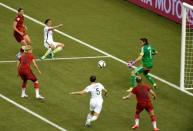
186	67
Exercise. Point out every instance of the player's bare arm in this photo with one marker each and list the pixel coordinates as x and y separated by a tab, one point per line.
55	27
36	66
153	94
78	92
138	58
18	64
15	28
106	92
127	97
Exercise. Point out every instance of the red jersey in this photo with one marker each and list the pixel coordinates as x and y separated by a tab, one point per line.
20	23
142	93
25	61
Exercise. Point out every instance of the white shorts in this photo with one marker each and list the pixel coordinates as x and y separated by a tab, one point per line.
52	43
96	105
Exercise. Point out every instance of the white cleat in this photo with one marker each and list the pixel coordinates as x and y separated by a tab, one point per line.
88	124
39	97
24	96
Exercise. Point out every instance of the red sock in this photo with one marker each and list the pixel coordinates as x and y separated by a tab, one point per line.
24	84
36	85
136	116
153	118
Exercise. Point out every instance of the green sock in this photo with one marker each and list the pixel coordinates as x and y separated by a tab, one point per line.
133	82
150	79
57	49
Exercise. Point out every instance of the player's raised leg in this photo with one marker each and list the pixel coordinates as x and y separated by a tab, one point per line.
27	39
59	47
149	78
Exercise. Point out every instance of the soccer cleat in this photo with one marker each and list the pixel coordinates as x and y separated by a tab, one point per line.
156	129
24	96
135	127
39	97
88	124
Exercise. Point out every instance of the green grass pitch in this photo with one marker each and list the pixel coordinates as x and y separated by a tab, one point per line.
110	25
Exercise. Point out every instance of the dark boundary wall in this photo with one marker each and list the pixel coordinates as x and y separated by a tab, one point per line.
170	9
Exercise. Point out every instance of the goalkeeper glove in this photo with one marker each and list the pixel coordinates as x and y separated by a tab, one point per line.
131	63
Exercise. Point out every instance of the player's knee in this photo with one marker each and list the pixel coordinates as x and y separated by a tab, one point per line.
151	113
62	45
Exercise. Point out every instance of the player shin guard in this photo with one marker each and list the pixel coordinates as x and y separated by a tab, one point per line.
150	79
57	49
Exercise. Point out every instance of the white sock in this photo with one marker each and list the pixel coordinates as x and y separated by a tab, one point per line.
89	116
154	124
23	91
37	92
137	122
93	118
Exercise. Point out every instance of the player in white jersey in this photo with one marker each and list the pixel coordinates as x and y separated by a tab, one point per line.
96	101
52	46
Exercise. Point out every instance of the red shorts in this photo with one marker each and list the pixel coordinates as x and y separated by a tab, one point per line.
18	37
27	75
141	106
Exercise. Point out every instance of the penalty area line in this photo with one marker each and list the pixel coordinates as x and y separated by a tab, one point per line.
96	49
32	113
62	58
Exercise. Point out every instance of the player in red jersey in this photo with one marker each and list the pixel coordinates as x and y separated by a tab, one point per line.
25	72
19	29
142	92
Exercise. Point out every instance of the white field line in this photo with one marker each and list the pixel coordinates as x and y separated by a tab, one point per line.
96	49
64	58
32	113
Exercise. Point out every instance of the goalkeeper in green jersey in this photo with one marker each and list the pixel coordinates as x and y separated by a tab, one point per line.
146	57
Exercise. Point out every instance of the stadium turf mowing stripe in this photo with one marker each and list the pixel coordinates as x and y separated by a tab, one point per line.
96	49
64	58
32	113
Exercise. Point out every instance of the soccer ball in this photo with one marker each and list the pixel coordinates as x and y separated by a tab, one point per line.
101	64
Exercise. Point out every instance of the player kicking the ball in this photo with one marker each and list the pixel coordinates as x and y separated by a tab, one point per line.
146	55
142	92
53	47
96	101
25	72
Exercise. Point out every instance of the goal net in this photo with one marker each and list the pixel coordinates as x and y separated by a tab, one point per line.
186	74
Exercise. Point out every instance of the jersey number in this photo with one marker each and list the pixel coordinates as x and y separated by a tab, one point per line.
98	91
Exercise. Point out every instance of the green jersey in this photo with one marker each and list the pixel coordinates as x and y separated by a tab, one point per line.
146	52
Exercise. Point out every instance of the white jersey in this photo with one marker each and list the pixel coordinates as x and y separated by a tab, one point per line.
95	90
48	35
